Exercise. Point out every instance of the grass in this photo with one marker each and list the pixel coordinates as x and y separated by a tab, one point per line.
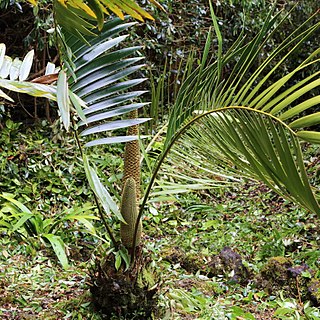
212	249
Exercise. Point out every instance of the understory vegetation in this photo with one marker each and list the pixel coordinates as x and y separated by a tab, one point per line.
229	253
202	204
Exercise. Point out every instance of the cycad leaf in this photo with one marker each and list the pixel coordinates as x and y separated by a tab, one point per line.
113	113
26	66
80	13
306	121
111	140
98	10
63	99
98	50
241	86
113	125
102	80
114	101
254	144
258	145
79	104
101	192
68	18
86	10
105	93
104	60
311	136
105	81
104	69
5	68
157	4
305	105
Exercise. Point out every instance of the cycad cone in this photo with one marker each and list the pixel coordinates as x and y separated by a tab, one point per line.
129	211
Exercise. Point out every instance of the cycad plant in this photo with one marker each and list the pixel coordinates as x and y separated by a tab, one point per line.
94	82
101	81
239	123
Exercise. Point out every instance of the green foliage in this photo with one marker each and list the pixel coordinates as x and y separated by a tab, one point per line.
17	218
290	309
184	28
99	76
246	123
79	17
201	225
46	179
37	173
250	136
101	79
109	206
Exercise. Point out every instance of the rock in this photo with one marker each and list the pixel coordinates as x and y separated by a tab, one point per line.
229	263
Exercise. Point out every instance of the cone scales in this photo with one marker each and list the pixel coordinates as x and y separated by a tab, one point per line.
132	157
131	188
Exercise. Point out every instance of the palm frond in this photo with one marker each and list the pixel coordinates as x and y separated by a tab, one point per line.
245	123
81	17
243	86
100	77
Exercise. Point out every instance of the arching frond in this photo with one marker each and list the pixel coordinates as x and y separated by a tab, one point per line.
244	122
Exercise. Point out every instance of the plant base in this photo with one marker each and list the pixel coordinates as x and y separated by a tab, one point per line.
122	295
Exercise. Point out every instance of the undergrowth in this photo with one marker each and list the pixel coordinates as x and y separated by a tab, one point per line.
216	251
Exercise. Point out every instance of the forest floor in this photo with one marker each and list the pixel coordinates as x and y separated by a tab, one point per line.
236	253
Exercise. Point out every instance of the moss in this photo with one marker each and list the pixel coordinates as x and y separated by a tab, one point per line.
314	291
279	261
274	276
277	269
192	263
297	281
226	262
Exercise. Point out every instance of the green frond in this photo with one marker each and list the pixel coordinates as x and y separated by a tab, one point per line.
244	124
81	18
204	89
102	80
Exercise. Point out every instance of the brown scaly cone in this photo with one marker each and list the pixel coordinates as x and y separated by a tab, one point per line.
132	156
131	171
